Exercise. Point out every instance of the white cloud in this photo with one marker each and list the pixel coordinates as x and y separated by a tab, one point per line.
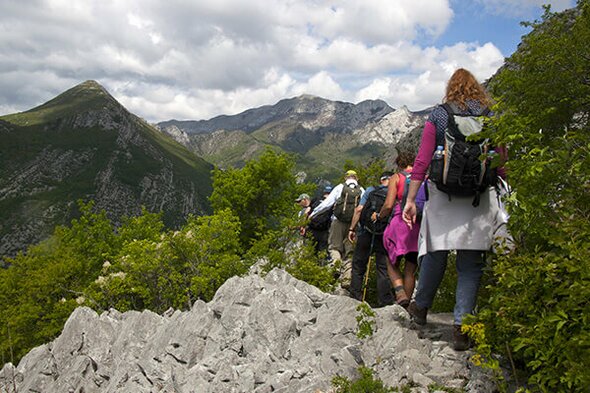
320	84
383	21
193	60
418	91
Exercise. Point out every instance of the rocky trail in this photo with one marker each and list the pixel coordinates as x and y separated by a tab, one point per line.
258	334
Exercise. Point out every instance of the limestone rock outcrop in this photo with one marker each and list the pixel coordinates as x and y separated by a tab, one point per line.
258	334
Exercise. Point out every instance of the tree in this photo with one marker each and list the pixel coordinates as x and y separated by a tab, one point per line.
137	267
260	194
42	287
158	271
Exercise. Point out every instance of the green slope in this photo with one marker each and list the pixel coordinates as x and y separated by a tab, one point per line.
52	155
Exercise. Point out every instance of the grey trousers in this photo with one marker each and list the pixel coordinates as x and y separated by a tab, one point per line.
341	249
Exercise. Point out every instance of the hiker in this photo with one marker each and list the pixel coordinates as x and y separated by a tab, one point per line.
450	222
304	201
319	225
369	241
400	241
343	199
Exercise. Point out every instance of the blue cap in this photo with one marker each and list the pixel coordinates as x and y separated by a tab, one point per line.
327	189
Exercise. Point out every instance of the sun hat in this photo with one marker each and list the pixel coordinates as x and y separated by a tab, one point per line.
302	197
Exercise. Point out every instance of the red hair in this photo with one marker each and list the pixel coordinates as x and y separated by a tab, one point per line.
463	86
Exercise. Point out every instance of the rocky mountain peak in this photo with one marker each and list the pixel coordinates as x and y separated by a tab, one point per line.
403	110
87	102
258	334
83	144
89	93
91	86
323	132
307	103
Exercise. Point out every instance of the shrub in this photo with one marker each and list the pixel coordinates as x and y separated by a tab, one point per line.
261	194
42	287
538	301
365	383
286	249
172	269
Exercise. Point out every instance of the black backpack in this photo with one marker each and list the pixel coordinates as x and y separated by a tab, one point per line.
463	172
322	221
375	201
347	202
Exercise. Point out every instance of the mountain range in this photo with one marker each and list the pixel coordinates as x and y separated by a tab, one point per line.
84	145
320	133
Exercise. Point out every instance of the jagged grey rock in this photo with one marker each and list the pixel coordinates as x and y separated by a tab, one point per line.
258	334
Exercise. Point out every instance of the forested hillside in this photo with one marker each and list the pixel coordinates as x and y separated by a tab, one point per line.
83	144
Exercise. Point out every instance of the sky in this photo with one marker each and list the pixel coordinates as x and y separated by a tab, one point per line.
193	60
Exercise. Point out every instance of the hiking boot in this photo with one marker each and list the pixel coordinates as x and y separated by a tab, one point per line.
417	314
460	340
404	303
401	298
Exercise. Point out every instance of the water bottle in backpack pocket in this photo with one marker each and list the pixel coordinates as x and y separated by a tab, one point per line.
437	164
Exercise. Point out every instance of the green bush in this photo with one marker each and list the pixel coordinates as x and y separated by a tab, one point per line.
141	265
172	269
286	249
537	312
261	194
40	289
364	384
365	320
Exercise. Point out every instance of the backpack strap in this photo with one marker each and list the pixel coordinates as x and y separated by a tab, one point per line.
400	184
451	123
448	108
405	189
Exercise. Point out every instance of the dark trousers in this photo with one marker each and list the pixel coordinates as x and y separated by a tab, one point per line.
321	239
360	259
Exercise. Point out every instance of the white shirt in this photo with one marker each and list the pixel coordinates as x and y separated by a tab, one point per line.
334	195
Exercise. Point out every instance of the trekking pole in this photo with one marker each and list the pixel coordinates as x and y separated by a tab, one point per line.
368	266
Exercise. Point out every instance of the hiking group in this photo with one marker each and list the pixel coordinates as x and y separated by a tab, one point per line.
441	199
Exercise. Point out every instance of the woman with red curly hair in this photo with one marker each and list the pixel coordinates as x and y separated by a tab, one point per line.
450	223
